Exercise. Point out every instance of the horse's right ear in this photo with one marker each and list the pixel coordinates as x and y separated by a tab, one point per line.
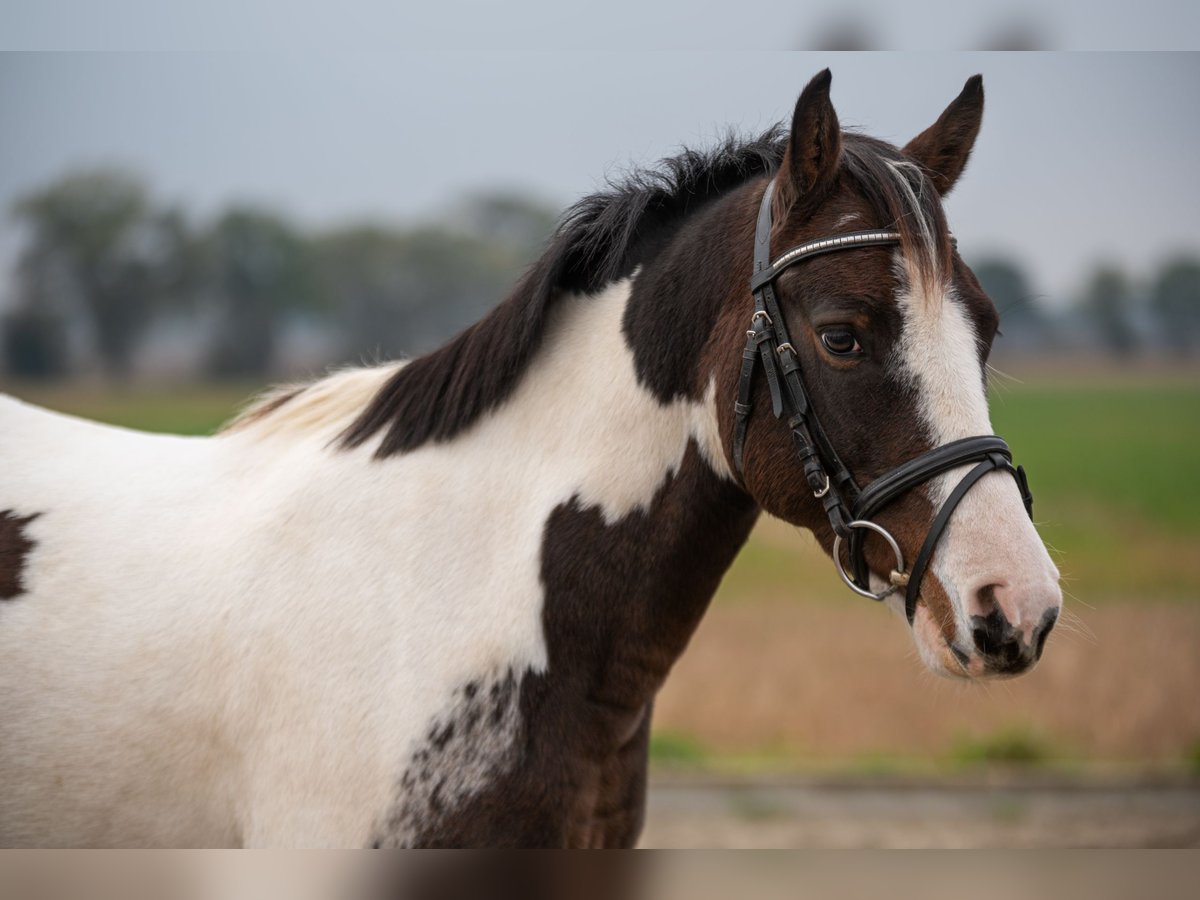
810	162
944	147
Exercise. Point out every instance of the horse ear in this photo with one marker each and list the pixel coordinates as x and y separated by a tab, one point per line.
810	162
944	147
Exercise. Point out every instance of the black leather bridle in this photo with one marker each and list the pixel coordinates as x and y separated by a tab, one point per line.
849	508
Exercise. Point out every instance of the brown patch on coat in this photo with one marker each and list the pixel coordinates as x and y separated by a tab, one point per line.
621	601
15	546
618	811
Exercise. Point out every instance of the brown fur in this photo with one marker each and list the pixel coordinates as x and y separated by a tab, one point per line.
15	546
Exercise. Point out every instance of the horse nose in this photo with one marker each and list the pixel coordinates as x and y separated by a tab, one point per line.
1008	642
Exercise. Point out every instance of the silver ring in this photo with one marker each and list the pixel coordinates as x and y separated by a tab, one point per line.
785	346
762	314
883	533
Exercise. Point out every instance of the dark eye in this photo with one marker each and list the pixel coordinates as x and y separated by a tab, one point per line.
840	342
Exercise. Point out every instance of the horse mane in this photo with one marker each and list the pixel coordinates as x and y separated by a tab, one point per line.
326	404
600	239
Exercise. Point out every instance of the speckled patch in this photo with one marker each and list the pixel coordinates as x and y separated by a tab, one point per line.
463	751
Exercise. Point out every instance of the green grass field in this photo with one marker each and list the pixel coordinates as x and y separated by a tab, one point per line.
1113	466
1114	471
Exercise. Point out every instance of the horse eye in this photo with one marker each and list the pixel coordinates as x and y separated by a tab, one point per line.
840	342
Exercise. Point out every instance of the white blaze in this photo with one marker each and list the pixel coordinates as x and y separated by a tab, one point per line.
990	539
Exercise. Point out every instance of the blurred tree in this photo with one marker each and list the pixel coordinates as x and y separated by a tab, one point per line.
1024	325
403	291
1107	302
101	250
1175	302
361	280
35	344
257	269
449	280
506	219
35	331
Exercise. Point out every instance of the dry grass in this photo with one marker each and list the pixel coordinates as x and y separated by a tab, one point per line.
828	681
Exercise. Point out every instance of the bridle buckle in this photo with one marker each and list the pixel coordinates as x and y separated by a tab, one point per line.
823	491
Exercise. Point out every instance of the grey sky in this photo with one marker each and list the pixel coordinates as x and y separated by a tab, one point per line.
1082	157
589	24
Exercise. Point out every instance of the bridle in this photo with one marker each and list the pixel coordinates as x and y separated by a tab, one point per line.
849	508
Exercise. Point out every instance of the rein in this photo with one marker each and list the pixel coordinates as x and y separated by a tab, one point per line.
849	508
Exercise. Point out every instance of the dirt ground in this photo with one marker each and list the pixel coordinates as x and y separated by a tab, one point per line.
1026	813
842	682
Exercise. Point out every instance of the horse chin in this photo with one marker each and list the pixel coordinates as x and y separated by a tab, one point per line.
936	652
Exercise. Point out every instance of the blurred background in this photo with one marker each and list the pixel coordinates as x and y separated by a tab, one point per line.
180	230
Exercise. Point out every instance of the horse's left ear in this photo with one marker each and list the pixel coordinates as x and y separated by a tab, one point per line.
944	147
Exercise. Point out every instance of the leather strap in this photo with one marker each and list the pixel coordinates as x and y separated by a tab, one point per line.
917	574
827	476
908	475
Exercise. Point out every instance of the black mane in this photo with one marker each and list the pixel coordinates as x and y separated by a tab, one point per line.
600	239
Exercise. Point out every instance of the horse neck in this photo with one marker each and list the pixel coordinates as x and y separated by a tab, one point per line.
586	421
633	554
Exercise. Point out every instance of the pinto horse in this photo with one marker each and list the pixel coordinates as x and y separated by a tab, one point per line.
431	603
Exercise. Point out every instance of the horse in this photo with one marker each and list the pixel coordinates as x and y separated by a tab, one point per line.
430	603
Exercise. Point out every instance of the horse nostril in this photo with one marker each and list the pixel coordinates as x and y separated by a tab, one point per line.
990	632
999	642
1005	647
1043	631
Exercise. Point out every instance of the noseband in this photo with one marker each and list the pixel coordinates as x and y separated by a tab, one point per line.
849	508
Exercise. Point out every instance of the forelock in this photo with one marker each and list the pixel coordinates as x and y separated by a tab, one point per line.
905	200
